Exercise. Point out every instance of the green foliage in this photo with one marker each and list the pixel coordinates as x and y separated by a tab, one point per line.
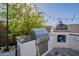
22	19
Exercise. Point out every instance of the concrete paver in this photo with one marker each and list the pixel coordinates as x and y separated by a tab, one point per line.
63	52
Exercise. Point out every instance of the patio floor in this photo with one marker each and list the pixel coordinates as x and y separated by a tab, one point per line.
63	52
10	53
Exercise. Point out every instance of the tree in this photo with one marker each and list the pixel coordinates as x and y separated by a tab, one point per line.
22	19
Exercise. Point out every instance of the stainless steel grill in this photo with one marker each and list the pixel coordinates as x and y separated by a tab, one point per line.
41	37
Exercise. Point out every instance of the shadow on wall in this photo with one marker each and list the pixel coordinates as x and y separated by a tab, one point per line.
2	34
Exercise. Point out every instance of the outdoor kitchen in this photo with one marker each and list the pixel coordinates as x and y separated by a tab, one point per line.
42	42
38	44
27	30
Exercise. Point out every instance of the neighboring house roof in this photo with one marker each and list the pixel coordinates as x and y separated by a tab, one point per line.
74	28
71	27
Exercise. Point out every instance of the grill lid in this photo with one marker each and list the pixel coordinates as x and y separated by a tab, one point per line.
40	33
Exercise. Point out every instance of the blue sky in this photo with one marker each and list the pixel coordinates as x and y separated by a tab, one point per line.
64	11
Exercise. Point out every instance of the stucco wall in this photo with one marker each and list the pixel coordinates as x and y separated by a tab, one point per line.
74	42
61	44
27	49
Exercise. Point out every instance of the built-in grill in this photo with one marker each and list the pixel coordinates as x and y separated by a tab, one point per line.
41	37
